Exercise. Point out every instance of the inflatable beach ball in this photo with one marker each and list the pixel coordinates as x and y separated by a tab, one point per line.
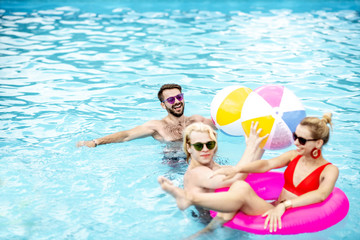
226	109
276	109
278	112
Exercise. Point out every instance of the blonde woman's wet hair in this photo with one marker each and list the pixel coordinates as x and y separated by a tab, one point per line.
319	128
197	127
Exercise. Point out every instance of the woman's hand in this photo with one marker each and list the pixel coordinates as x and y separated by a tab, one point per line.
254	136
273	217
228	171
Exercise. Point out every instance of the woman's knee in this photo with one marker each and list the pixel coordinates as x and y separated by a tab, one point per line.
241	187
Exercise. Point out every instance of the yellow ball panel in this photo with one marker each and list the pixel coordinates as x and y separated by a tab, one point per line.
266	123
230	109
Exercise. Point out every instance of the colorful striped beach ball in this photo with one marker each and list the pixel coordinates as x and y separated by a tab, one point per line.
226	108
278	112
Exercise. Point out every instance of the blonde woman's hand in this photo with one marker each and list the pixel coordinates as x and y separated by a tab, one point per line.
254	136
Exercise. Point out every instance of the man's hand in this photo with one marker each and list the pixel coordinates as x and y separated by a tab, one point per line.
86	143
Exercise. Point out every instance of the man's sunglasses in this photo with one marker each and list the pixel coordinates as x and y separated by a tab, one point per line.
199	146
302	141
171	100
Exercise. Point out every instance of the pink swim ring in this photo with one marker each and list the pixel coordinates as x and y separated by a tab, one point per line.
311	218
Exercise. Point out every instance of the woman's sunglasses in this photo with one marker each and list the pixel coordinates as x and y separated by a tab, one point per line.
171	100
302	141
199	146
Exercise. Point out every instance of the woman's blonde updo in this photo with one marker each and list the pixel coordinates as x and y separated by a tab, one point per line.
197	127
319	128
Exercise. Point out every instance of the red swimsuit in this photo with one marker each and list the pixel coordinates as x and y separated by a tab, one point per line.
310	183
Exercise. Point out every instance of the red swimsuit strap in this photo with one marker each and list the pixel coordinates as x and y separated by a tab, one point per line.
289	171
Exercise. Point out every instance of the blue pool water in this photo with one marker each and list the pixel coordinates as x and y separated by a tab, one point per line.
75	70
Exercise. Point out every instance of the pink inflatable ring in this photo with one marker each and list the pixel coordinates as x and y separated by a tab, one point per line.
311	218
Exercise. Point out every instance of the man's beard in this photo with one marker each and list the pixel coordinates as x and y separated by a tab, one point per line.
175	114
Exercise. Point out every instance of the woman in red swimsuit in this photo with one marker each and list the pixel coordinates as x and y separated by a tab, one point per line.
309	179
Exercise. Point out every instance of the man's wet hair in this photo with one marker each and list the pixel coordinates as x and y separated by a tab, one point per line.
165	87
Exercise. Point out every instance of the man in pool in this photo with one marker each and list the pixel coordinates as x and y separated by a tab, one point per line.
168	129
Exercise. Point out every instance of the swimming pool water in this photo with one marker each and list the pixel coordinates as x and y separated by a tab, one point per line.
75	70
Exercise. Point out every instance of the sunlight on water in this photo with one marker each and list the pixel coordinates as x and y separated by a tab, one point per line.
71	71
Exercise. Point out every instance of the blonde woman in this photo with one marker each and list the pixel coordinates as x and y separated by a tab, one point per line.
200	146
309	178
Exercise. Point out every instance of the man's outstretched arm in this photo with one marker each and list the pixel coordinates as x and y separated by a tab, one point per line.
141	131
